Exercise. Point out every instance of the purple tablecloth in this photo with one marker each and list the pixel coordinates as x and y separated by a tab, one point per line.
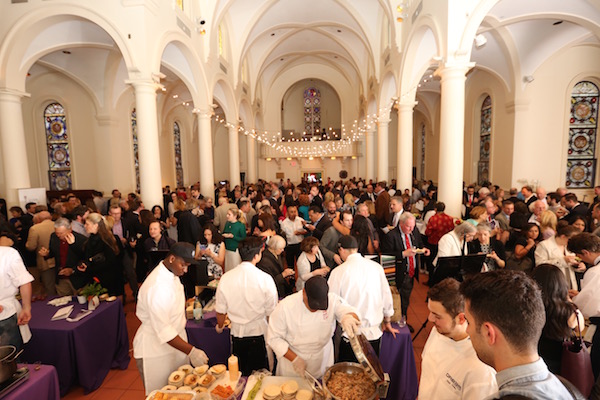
84	351
398	360
202	334
41	385
397	356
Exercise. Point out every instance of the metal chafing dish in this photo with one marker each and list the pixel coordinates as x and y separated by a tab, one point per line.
367	362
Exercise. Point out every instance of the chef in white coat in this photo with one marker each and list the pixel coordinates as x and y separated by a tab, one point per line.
301	327
160	345
14	318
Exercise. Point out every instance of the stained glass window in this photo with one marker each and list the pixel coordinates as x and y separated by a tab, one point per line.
485	143
177	145
57	143
583	124
136	157
312	113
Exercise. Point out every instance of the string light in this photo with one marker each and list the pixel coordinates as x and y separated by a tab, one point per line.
301	146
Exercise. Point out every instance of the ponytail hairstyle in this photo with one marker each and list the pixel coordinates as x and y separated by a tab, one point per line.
105	234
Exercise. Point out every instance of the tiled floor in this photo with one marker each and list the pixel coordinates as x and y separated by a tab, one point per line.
127	385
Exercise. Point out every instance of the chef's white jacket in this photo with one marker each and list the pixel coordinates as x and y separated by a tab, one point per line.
451	370
13	275
161	309
308	334
248	296
588	300
362	283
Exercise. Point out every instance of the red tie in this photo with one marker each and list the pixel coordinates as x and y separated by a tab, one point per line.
411	260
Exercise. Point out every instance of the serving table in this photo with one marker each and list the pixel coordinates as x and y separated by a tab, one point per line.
202	334
41	385
84	351
397	358
396	355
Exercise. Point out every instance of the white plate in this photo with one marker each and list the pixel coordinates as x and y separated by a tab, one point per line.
272	380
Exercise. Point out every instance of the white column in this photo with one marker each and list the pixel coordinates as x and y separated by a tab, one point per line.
148	146
404	153
234	156
370	153
14	153
251	175
452	136
207	174
383	123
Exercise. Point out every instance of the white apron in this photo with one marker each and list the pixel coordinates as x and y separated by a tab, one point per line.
316	363
158	369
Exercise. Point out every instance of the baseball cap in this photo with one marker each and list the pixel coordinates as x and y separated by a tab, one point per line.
184	250
348	242
317	290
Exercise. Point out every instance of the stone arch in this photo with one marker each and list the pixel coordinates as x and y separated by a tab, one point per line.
183	61
424	46
223	93
28	40
388	92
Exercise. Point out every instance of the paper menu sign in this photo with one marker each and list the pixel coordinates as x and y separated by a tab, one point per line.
62	313
80	315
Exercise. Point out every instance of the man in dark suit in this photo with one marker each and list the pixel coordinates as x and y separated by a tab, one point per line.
576	209
319	224
408	245
368	195
66	247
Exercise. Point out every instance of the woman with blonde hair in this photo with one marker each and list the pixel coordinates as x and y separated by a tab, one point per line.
548	222
329	196
234	232
478	215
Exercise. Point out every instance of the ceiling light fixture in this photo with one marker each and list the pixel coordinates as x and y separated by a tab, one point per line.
66	52
558	22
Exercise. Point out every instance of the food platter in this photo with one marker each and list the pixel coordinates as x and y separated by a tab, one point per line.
272	380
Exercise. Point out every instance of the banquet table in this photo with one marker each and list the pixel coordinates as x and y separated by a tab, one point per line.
202	334
398	360
41	385
396	355
84	351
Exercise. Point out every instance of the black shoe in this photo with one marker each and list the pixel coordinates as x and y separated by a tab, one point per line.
410	328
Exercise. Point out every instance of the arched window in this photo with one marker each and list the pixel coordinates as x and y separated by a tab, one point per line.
57	142
312	112
485	143
177	146
583	124
136	157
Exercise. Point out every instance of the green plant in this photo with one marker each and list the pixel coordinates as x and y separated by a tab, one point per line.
92	289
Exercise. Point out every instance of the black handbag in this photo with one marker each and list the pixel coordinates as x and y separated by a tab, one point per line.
576	364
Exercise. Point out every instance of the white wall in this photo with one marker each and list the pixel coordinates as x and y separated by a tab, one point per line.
540	150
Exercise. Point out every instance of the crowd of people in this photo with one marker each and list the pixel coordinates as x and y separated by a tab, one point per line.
282	251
